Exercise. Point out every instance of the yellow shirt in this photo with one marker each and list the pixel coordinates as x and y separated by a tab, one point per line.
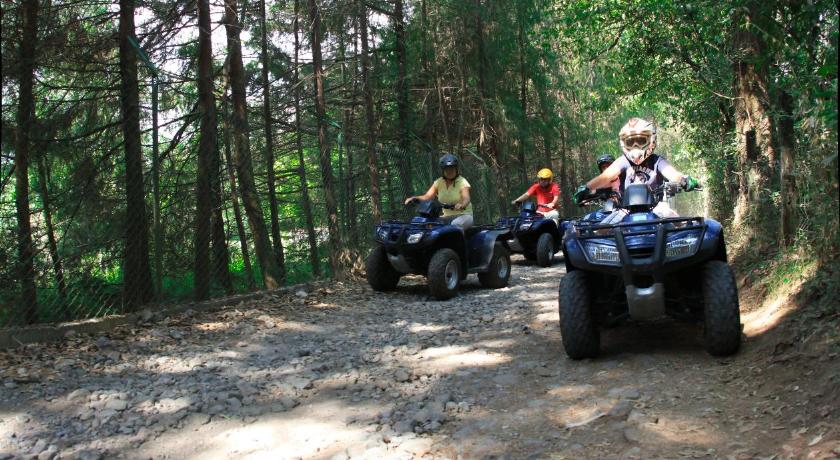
452	195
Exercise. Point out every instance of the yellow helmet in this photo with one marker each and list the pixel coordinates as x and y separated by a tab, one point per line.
545	173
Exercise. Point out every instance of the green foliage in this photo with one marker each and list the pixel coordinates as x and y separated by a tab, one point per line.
586	68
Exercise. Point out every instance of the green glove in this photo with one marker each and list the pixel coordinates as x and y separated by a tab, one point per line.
691	184
581	193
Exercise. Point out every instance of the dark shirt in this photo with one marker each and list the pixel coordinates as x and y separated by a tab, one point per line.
649	172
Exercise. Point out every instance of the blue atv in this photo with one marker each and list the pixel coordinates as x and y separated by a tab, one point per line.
534	236
643	267
442	252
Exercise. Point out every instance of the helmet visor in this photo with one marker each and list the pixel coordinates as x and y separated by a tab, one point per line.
636	142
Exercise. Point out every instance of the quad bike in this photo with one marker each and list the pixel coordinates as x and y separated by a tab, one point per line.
643	268
442	252
534	236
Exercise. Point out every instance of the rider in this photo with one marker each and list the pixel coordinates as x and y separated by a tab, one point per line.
452	188
547	193
638	165
604	161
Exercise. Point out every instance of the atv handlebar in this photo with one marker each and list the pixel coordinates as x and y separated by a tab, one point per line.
417	201
602	194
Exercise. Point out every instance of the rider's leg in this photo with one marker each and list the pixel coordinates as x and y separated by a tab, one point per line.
663	210
554	215
464	221
614	217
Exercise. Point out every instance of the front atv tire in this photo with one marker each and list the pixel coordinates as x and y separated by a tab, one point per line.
722	314
380	273
581	337
545	250
498	272
444	274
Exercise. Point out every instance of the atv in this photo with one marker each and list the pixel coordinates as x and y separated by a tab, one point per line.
442	252
534	236
643	267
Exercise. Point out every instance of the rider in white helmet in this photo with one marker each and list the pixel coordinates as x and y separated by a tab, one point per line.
639	164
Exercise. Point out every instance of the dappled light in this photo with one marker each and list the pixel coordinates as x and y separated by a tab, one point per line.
393	376
419	230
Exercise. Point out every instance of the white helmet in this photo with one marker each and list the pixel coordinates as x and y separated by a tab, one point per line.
637	139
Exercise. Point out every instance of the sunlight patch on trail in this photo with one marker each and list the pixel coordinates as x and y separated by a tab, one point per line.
451	358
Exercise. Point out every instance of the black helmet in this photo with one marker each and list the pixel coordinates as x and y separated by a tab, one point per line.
448	160
605	159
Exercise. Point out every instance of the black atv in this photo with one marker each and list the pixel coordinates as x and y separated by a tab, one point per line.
442	252
535	236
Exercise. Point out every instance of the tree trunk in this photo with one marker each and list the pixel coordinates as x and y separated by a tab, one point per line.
788	168
234	198
754	125
279	253
44	182
271	274
324	157
221	255
25	110
375	193
206	149
487	141
348	129
523	99
304	185
137	275
403	131
431	84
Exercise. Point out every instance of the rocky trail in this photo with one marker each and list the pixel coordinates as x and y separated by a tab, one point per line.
343	372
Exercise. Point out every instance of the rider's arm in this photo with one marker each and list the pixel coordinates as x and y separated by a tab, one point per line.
465	199
431	193
553	204
604	179
522	198
669	172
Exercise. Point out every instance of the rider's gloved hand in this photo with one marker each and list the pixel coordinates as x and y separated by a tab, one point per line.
690	183
514	203
580	194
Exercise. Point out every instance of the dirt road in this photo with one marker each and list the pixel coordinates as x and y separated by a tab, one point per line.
343	372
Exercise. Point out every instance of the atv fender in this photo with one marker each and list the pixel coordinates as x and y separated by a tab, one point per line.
548	226
453	238
481	247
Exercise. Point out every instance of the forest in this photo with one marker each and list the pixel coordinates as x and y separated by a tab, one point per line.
161	152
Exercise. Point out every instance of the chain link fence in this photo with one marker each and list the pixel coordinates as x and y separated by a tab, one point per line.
78	220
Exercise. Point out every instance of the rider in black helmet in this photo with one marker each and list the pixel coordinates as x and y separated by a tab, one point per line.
604	162
451	188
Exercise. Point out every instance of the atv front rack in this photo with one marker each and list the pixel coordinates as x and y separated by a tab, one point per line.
633	262
667	225
395	230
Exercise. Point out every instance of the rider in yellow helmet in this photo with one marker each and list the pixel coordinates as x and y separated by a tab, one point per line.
547	193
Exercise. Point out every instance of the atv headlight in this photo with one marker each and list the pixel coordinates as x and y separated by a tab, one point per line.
382	233
682	247
414	237
602	253
525	225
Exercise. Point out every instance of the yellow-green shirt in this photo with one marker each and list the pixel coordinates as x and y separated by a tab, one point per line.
452	195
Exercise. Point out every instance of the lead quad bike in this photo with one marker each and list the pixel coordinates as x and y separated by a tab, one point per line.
644	268
534	236
442	252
